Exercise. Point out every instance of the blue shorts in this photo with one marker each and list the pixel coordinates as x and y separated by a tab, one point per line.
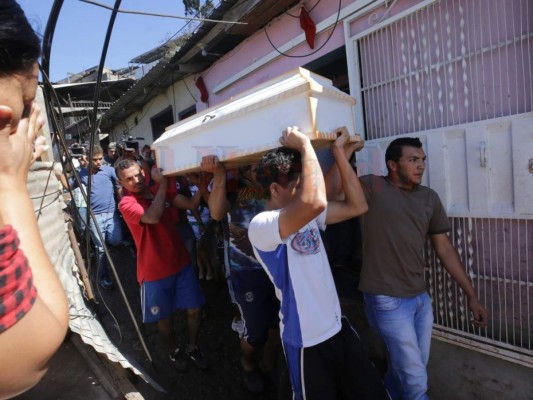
258	304
160	298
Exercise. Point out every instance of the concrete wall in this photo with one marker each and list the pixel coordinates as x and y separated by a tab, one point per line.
177	96
456	373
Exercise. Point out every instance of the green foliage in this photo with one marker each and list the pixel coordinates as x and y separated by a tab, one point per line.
198	7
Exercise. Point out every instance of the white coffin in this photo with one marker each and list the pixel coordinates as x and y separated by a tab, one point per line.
240	130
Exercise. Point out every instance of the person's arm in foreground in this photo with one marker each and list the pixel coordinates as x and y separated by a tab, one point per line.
217	201
27	346
186	202
310	198
354	202
451	261
153	214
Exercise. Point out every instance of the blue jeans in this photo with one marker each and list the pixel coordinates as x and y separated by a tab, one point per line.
404	325
109	224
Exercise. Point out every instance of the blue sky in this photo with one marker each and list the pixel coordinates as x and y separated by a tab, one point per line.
81	29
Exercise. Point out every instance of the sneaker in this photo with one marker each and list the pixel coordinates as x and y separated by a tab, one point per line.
253	381
178	360
106	283
238	326
198	358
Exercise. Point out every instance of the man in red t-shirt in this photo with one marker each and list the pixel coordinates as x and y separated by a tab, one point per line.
168	282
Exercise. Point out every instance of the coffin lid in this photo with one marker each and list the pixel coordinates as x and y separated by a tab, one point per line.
299	83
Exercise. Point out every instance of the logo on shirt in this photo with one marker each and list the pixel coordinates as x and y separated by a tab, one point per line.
307	242
249	296
155	310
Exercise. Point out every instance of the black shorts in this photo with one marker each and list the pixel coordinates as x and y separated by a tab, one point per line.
338	368
258	304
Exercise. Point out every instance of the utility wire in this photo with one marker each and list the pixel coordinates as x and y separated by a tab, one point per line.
297	16
164	15
47	42
312	52
91	148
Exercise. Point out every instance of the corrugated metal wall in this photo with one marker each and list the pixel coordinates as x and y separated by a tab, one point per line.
46	194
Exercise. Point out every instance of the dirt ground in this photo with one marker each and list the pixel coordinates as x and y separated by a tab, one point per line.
223	379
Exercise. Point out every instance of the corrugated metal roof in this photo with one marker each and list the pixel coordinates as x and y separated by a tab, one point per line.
46	194
215	38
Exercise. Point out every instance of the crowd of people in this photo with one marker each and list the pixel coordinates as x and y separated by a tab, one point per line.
268	218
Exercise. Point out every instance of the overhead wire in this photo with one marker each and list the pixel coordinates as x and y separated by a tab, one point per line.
58	129
224	58
297	16
164	15
312	52
47	41
94	124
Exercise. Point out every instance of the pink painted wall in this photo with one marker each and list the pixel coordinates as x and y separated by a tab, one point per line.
280	31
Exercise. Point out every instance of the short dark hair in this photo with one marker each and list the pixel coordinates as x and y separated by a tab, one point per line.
395	149
281	165
125	163
20	46
97	149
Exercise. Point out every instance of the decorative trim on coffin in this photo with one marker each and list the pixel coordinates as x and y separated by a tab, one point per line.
240	131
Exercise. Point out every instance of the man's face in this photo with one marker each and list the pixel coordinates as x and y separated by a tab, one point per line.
146	153
17	91
112	153
132	179
286	194
411	166
97	161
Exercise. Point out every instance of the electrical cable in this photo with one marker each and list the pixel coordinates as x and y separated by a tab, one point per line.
189	90
94	124
47	41
297	16
314	51
49	35
164	15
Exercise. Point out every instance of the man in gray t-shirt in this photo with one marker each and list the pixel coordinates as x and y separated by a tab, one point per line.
401	215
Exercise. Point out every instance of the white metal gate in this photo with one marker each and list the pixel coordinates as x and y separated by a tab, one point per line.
459	75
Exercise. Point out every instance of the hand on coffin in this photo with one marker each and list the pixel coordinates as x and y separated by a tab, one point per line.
293	138
211	164
343	143
193	179
157	175
205	179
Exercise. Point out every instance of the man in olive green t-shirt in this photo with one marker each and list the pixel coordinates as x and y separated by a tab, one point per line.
401	214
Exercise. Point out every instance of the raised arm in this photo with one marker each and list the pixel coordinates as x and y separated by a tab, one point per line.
184	202
451	261
309	198
353	202
153	214
217	201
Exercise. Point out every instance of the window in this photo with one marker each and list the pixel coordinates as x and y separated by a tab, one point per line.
450	63
161	121
187	112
